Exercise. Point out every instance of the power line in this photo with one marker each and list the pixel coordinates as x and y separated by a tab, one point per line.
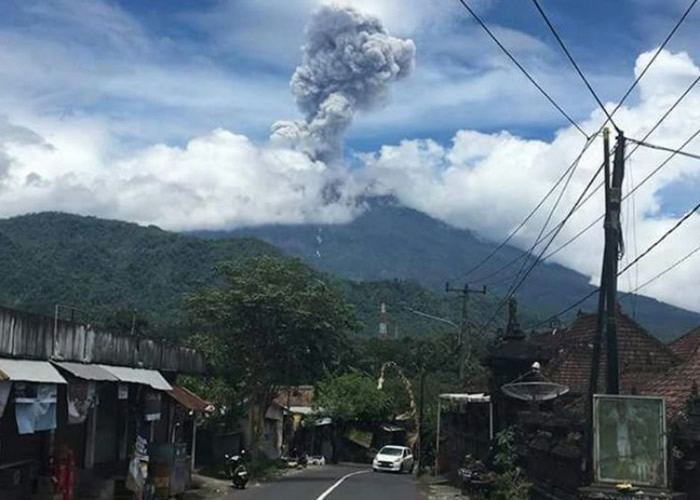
638	257
646	252
653	58
503	243
663	163
567	309
674	152
668	269
573	62
663	148
634	236
627	195
515	287
549	233
617	107
663	237
520	66
549	217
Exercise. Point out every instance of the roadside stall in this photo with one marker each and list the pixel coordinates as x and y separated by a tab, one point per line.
28	400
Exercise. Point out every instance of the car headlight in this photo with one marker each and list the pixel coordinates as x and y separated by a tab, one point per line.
398	460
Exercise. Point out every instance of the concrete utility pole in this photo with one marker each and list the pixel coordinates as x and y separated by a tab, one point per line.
464	338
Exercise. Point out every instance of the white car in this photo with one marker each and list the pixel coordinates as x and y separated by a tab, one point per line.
394	458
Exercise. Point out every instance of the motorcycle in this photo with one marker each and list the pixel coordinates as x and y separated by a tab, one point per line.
237	470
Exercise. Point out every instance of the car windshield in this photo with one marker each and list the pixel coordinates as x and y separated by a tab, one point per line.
391	451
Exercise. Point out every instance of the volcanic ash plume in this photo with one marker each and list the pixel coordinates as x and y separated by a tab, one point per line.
349	60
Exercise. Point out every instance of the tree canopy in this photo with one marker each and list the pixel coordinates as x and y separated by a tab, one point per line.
352	396
274	322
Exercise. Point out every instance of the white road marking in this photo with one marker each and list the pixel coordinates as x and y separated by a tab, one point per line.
339	482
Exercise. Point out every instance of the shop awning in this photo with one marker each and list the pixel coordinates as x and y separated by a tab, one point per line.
142	376
189	399
86	371
23	370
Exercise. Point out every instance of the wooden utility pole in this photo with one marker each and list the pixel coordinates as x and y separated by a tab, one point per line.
464	338
613	234
607	299
606	326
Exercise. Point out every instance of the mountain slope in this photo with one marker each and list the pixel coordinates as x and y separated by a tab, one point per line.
96	264
106	268
389	241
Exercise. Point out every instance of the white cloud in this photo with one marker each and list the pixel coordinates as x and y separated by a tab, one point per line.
488	182
69	108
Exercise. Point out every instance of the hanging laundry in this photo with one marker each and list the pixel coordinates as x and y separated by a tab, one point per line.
35	407
81	396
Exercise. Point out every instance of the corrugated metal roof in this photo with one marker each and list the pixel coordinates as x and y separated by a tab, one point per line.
24	370
151	378
189	399
87	371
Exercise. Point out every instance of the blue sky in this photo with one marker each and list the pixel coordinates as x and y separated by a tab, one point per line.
159	112
253	47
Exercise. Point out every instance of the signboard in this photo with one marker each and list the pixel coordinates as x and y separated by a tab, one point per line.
630	440
151	406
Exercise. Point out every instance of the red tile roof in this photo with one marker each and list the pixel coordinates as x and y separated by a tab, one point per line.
189	399
686	345
642	356
676	385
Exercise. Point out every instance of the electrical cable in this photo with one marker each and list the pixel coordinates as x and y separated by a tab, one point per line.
573	63
663	237
515	287
663	148
520	66
617	107
674	152
668	269
646	252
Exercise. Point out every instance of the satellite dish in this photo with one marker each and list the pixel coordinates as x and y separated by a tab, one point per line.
534	387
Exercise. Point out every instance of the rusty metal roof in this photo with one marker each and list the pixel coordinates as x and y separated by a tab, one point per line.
87	371
142	376
189	399
23	370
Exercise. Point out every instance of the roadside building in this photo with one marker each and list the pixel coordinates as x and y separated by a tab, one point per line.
554	432
679	388
84	406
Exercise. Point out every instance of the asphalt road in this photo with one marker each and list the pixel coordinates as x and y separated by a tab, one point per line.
343	482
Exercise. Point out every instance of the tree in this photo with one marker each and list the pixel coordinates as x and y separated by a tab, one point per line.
352	396
271	322
128	321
